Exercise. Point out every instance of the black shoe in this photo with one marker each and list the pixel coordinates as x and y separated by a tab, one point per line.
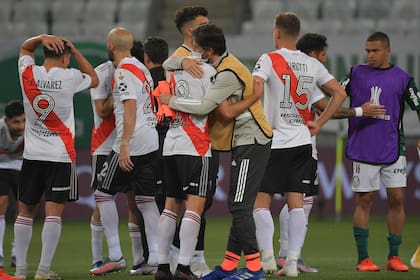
163	275
184	275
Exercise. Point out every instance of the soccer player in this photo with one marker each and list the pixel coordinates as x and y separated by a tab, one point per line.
103	136
156	50
315	45
290	78
186	153
12	127
186	19
375	161
240	126
49	155
132	162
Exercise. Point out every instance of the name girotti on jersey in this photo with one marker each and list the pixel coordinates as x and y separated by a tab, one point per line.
297	66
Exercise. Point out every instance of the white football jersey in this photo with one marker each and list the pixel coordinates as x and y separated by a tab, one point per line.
132	80
103	132
188	133
10	150
291	78
48	104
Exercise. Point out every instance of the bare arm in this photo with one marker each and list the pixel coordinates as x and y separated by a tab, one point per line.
104	107
191	65
369	110
338	95
129	124
83	63
49	41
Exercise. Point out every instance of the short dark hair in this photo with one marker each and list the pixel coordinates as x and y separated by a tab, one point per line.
379	36
157	49
187	14
312	42
137	50
13	109
210	36
289	23
53	54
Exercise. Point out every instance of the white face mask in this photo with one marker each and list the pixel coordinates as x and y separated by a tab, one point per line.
198	55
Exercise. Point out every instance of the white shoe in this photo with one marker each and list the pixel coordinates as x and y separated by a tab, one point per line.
143	268
303	267
290	269
50	275
269	264
199	268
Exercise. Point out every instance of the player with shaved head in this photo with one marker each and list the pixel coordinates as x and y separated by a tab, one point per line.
132	163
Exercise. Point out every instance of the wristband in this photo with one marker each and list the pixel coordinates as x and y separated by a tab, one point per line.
418	151
358	111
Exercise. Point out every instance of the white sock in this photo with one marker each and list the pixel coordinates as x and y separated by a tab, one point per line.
297	225
166	231
284	231
136	245
23	236
198	256
97	234
109	220
150	213
13	250
50	235
307	207
2	230
188	235
264	230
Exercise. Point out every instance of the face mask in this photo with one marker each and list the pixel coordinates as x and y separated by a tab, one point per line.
198	55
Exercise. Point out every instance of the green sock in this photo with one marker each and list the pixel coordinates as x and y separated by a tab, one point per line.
394	242
361	236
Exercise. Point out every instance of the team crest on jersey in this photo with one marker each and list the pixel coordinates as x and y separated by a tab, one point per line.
120	75
182	89
22	66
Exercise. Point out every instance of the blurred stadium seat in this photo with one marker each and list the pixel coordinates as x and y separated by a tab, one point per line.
99	18
405	9
67	17
5	18
263	13
373	9
134	16
305	9
30	17
338	9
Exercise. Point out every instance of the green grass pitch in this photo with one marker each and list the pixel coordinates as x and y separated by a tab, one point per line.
329	246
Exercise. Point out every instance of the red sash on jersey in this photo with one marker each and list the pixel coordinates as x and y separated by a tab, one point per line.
281	67
100	134
135	71
52	121
200	139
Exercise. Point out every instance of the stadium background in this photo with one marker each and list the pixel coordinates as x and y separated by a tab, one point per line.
248	28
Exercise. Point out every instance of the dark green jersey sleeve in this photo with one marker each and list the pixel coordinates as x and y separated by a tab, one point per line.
412	95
